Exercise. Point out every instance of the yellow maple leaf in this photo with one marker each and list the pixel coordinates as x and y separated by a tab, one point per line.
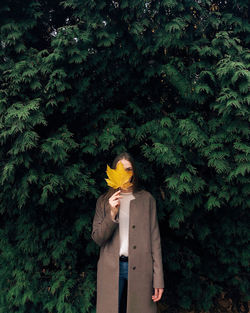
118	177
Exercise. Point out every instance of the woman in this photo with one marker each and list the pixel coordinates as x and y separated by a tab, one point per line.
126	229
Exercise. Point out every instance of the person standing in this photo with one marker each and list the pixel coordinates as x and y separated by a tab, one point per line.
125	227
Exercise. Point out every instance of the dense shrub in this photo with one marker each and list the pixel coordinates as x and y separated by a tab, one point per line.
80	82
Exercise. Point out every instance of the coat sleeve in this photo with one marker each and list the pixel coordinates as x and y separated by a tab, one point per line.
158	275
103	225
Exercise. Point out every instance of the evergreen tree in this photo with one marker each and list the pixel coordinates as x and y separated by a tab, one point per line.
80	82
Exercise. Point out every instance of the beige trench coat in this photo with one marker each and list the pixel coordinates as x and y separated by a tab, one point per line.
145	269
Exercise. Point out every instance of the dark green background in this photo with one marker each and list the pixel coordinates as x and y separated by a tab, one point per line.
80	82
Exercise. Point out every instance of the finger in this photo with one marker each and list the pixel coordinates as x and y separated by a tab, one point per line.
114	197
117	197
156	295
116	203
160	291
115	194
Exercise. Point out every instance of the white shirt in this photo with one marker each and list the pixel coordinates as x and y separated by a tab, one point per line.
124	221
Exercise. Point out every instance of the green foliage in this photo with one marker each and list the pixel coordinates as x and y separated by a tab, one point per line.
81	81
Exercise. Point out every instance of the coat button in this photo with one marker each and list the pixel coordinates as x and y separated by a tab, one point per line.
134	267
134	247
133	226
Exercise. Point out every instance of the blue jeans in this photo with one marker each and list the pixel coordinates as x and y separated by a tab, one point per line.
123	275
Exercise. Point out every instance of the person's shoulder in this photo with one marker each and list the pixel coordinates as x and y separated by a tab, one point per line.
104	198
145	193
101	198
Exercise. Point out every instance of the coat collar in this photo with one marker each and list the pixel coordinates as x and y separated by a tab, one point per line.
138	195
